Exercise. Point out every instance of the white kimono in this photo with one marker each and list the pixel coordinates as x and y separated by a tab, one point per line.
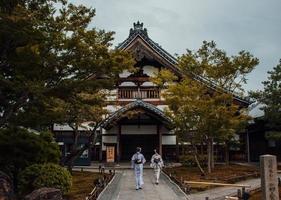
157	166
138	168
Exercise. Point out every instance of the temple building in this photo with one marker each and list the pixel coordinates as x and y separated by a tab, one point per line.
136	107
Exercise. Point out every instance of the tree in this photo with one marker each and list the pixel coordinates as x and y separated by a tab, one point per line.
270	97
20	148
50	54
54	67
202	103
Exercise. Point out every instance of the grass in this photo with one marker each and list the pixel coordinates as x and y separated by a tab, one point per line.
221	174
82	185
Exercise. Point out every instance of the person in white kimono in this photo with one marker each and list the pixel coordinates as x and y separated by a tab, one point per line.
157	164
137	164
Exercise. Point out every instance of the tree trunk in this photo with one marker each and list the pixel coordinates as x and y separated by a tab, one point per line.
196	160
76	152
212	154
226	153
202	149
70	166
74	148
209	149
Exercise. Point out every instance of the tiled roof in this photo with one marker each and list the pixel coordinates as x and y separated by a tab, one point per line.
135	104
139	31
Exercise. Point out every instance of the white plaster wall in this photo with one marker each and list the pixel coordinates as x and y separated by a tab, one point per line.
169	140
125	74
150	70
127	84
138	130
148	84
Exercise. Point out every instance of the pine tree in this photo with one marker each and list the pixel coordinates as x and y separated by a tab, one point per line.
270	97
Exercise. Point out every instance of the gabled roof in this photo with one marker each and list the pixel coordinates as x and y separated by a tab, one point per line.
140	33
131	106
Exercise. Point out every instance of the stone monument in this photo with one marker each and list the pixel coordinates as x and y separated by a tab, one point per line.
269	178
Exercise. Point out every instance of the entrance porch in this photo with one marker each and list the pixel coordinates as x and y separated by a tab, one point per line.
138	124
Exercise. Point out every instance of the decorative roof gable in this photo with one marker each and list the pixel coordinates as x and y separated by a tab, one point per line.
141	46
131	106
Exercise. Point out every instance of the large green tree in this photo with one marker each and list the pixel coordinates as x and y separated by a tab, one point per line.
51	54
201	103
55	67
270	98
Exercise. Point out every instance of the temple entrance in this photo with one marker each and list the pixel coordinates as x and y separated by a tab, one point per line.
129	143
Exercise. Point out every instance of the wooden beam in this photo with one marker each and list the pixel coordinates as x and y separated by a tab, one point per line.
217	184
118	146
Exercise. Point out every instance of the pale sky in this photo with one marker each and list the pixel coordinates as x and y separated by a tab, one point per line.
252	25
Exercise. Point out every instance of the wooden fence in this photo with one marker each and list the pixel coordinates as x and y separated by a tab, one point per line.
241	194
100	185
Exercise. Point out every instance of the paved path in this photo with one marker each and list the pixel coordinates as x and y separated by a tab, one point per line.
220	192
123	188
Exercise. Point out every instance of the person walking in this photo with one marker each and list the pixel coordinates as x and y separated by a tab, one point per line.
137	164
156	164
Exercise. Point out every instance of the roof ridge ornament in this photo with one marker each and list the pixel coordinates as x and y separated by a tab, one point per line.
138	28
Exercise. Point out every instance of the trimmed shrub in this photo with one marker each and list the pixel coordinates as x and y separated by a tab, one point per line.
44	175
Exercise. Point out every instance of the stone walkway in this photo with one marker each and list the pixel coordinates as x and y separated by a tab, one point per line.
123	188
220	192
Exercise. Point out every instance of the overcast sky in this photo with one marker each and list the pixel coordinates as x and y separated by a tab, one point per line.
252	25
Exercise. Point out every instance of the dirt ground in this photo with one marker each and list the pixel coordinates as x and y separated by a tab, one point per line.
222	174
82	185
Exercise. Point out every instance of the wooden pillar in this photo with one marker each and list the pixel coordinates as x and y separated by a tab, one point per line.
160	139
100	152
177	149
248	146
118	148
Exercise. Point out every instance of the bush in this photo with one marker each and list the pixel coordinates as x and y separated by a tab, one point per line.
189	161
44	175
20	148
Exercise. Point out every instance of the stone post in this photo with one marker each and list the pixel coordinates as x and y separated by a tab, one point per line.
269	180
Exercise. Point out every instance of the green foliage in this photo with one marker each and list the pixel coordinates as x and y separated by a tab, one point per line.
44	175
207	106
273	135
54	67
201	104
163	77
270	97
216	67
20	148
189	160
51	58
